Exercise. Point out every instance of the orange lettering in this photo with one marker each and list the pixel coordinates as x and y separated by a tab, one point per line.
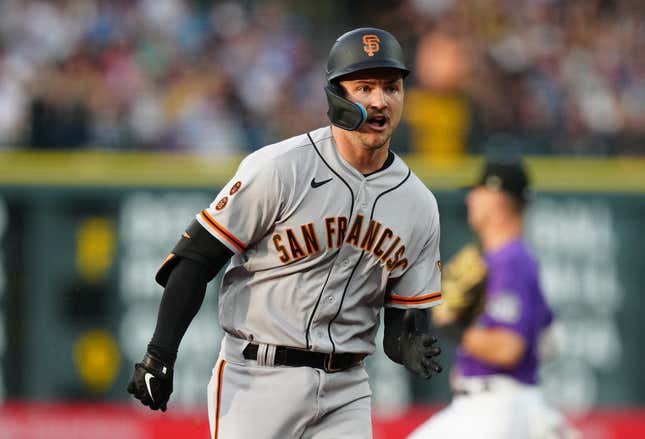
392	263
387	234
342	228
296	249
403	263
355	233
371	44
311	239
277	242
329	225
370	235
391	249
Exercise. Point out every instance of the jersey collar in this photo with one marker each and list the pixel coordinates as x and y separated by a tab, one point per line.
324	140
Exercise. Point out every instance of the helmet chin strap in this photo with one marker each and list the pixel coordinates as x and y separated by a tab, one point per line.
342	112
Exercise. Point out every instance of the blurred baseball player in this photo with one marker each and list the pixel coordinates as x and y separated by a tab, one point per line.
495	378
320	231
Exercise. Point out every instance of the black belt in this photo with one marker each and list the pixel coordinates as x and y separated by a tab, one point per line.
285	356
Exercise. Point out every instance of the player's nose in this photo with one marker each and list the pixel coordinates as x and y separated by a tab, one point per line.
378	99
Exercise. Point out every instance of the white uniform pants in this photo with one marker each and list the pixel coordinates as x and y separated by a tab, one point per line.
255	399
495	408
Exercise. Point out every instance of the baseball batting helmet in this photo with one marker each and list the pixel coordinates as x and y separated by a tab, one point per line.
359	49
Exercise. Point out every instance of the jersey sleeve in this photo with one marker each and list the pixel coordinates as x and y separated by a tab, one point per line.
508	302
246	208
420	285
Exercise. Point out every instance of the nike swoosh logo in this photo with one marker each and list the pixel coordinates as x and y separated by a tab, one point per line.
315	184
148	376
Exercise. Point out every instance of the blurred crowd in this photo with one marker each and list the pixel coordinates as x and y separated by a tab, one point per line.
206	76
153	74
544	76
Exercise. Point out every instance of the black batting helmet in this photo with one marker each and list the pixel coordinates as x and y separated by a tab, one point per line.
362	49
359	49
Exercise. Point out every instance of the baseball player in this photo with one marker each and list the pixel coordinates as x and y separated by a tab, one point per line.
320	232
495	378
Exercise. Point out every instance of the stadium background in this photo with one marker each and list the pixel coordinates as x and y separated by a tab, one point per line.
121	119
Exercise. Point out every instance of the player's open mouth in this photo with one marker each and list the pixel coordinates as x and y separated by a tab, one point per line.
377	123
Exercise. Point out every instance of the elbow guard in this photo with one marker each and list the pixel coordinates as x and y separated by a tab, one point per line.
198	245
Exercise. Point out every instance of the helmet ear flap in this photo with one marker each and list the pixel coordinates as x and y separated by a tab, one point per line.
342	112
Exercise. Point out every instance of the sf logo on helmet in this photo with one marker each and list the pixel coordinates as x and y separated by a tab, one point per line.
371	44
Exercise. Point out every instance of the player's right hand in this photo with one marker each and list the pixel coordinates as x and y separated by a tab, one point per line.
151	383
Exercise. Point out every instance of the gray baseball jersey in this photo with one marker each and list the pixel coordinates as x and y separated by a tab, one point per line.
317	243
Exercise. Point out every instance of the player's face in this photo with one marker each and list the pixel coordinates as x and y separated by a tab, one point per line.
381	92
482	203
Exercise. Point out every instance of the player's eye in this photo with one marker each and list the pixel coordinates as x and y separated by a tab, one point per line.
363	88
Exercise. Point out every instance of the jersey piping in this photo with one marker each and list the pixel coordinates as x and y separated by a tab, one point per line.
340	307
218	397
222	231
388	161
313	313
359	259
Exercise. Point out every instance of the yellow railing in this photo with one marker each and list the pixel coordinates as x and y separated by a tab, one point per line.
178	170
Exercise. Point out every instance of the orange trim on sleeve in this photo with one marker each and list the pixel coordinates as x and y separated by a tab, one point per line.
220	376
417	300
165	261
221	230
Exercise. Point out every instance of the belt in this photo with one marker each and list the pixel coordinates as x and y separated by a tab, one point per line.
470	390
490	383
285	356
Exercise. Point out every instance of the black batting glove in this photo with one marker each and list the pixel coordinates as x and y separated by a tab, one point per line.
151	382
418	350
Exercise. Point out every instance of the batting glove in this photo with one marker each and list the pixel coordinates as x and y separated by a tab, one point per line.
151	382
418	350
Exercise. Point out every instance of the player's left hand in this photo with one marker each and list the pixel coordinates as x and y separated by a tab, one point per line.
151	383
418	349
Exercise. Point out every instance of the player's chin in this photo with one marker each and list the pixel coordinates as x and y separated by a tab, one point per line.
374	139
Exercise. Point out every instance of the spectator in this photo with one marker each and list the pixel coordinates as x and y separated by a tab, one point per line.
556	76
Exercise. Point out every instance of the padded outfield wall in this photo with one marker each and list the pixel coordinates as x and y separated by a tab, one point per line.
81	235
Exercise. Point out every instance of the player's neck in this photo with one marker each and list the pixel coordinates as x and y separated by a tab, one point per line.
364	160
497	235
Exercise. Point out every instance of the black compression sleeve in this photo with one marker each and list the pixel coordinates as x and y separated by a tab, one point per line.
393	331
199	245
182	298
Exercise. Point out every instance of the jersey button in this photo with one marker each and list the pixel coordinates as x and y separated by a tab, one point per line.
330	299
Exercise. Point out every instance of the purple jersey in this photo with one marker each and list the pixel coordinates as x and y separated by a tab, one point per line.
514	301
